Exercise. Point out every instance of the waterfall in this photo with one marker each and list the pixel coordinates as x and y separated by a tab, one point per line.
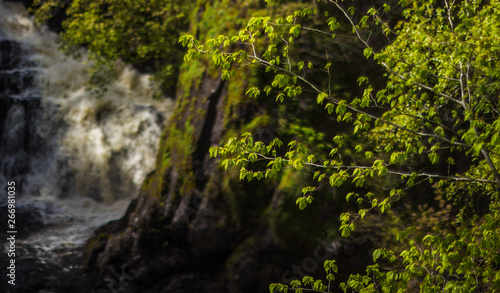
77	156
80	144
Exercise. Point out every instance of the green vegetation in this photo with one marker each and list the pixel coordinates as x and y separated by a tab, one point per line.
143	33
432	120
404	141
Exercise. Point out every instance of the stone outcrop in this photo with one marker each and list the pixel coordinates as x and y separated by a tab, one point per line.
194	228
178	234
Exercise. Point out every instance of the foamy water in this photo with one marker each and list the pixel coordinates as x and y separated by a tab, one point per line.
88	153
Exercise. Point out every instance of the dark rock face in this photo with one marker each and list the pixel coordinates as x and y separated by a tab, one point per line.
10	54
17	141
20	110
182	235
170	243
16	82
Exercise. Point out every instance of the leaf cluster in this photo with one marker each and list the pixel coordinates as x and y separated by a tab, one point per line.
439	104
143	33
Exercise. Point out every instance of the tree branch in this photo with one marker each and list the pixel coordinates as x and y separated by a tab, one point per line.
428	175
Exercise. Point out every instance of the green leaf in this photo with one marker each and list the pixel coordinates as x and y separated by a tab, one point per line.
382	171
434	158
300	65
321	98
330	107
295	30
367	52
477	148
301	202
377	254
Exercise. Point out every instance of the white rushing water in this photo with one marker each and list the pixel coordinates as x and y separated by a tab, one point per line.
83	156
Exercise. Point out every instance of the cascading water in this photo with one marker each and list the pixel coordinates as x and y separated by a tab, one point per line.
76	158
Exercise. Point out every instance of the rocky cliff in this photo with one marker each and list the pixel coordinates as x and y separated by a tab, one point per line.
184	233
194	228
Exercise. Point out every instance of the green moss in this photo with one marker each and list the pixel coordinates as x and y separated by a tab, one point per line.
220	17
257	122
148	181
235	95
94	246
178	143
191	75
246	201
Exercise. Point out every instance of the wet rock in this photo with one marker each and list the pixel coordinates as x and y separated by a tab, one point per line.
30	217
11	54
16	81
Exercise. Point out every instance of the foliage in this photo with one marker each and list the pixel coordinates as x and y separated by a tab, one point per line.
435	121
143	32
